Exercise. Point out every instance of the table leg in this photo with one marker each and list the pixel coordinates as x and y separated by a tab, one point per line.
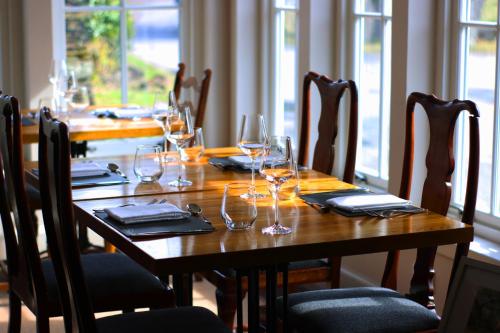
253	300
285	298
183	287
271	286
239	303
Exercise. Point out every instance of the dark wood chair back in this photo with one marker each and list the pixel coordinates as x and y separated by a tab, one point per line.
23	258
436	194
57	206
331	93
181	90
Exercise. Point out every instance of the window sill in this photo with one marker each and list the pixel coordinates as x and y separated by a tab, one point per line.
481	249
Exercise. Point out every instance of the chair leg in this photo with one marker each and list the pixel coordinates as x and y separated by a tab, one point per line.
226	305
42	324
14	313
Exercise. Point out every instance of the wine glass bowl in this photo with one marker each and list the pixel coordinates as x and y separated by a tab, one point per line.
252	141
277	167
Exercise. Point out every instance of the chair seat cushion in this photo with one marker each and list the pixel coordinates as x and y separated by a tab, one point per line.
357	310
115	282
178	320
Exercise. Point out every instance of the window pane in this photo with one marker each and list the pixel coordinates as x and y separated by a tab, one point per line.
480	85
369	96
287	3
286	79
152	53
152	2
92	42
483	10
92	3
372	5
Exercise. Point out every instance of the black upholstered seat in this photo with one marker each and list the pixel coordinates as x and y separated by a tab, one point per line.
357	310
108	276
178	320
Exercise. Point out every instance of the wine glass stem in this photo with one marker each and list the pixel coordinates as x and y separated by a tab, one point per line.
179	165
276	205
253	173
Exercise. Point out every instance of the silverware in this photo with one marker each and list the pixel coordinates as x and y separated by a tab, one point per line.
196	210
115	169
319	207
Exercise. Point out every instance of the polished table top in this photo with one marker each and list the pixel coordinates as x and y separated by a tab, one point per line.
84	126
314	235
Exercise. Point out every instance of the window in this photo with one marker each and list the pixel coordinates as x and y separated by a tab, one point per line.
123	50
372	61
478	80
285	63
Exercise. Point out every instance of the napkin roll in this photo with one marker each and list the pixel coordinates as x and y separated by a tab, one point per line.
146	213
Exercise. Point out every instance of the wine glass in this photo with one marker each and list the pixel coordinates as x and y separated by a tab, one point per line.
80	99
162	106
179	131
252	141
277	166
194	149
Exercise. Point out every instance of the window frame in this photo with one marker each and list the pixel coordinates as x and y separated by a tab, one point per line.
353	55
59	31
456	54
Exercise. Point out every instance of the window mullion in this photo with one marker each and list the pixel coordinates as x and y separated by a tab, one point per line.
494	208
381	97
123	54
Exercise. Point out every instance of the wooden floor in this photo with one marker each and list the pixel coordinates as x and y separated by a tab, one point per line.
203	295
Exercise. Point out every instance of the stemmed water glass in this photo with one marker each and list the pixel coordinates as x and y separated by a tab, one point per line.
252	141
179	131
277	166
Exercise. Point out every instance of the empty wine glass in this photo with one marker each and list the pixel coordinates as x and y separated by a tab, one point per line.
238	213
252	141
277	166
162	106
147	164
194	149
179	131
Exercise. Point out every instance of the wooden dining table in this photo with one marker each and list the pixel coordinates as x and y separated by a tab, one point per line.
85	126
315	234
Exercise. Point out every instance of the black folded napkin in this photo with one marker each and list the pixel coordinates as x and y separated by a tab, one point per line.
225	163
187	226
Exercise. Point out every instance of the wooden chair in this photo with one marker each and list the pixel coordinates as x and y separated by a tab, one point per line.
182	87
310	271
117	283
78	311
384	309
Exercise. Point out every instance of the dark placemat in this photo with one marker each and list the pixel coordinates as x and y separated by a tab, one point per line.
28	121
109	178
188	226
321	197
225	163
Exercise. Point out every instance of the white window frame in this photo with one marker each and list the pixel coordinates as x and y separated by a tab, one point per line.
354	55
277	113
59	31
490	224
